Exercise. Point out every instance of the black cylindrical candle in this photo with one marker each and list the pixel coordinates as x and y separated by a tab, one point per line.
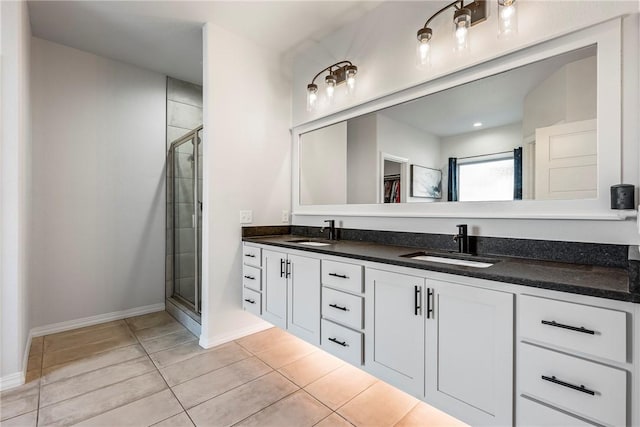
623	196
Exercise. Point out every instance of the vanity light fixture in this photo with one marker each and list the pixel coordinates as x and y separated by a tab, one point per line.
340	72
464	17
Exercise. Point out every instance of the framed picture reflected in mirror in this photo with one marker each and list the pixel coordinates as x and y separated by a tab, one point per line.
426	182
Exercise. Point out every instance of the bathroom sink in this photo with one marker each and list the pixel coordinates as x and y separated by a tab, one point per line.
466	260
308	242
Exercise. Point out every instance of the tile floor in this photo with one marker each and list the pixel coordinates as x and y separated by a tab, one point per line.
149	370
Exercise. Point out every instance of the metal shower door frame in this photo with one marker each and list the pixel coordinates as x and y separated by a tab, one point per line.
191	136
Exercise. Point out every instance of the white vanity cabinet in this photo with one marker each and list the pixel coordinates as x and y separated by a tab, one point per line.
342	310
252	279
447	343
469	352
454	341
394	343
573	359
291	293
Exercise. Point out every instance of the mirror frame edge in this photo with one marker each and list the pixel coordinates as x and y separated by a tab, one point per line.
606	36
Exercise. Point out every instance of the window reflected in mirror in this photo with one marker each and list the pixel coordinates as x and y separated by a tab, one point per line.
528	133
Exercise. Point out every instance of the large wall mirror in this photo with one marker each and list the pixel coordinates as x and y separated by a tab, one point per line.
529	133
533	134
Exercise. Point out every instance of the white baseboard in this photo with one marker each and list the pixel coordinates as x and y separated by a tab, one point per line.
12	380
234	335
25	357
94	320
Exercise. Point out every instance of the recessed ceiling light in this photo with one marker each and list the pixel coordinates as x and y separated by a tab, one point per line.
477	124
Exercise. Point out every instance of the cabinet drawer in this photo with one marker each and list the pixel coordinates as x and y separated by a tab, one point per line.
342	275
576	385
342	342
251	255
534	414
252	301
251	277
597	331
342	307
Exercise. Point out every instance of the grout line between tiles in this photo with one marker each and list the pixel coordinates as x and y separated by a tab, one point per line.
92	370
87	355
100	388
40	382
89	342
163	379
169	348
272	403
233	388
365	389
221	367
407	413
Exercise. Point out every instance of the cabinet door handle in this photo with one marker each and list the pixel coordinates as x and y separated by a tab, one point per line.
571	328
429	303
342	276
250	301
580	388
250	255
288	274
281	267
249	277
338	307
417	297
342	343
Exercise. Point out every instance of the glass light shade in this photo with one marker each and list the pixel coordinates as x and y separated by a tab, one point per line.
312	97
507	18
423	48
461	25
351	72
330	80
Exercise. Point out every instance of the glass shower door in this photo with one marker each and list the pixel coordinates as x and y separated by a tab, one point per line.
187	219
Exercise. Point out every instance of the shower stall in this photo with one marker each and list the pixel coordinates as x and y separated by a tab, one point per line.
184	223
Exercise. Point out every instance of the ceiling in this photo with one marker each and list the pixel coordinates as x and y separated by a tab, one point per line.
494	101
166	36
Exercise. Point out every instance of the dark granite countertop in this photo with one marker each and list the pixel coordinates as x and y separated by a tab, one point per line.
597	281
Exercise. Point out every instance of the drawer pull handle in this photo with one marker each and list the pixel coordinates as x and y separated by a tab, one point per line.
250	255
250	277
342	276
571	328
581	388
417	300
342	343
250	301
338	307
430	303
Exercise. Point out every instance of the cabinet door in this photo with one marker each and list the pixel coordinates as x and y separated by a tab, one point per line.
274	302
304	298
394	341
469	361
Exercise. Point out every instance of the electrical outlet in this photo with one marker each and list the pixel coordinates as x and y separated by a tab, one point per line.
246	217
285	216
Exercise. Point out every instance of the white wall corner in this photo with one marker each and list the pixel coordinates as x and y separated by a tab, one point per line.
94	320
209	342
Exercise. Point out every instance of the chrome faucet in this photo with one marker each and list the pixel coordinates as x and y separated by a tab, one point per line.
332	229
462	238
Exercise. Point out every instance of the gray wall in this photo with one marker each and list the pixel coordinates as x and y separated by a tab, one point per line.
15	190
98	184
184	113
